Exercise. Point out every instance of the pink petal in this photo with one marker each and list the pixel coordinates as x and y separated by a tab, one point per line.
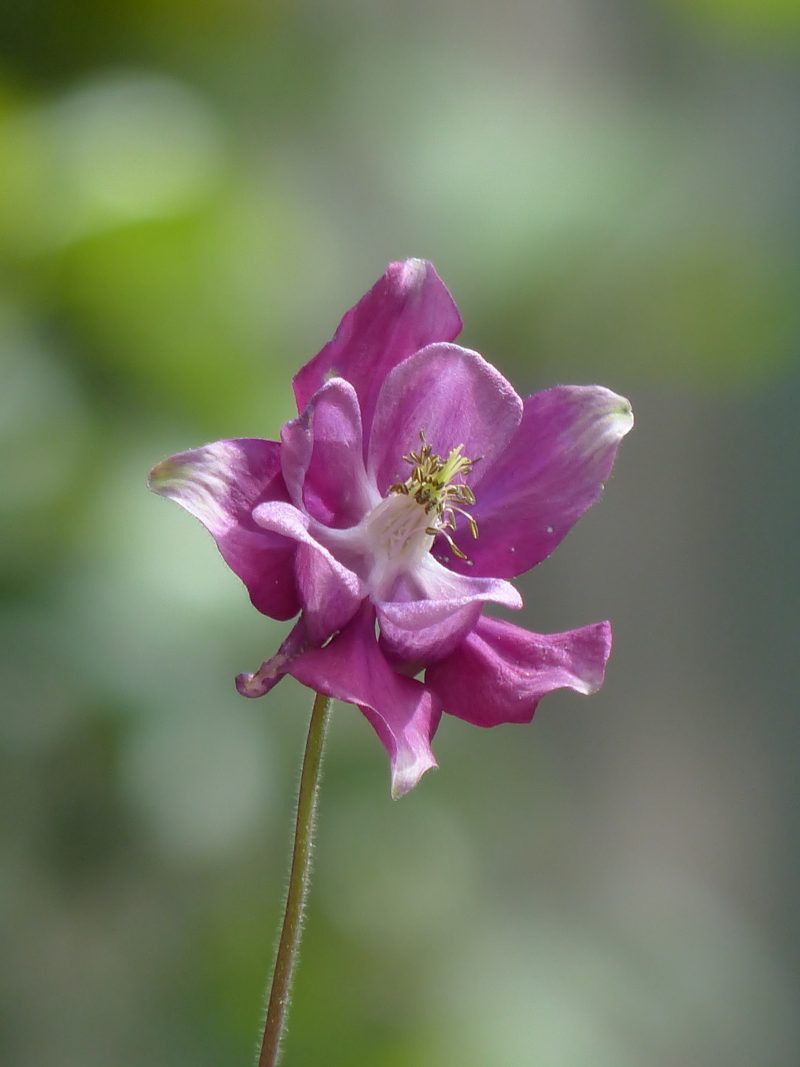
452	394
407	308
500	671
423	631
329	592
403	712
550	474
433	609
272	670
220	484
322	458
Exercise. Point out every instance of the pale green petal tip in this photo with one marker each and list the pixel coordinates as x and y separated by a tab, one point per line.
166	476
622	415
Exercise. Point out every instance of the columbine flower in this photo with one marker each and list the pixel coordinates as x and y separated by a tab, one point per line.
412	485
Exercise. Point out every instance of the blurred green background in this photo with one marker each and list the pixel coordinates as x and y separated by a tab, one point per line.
190	197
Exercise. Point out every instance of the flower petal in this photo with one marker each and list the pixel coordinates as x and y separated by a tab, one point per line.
402	711
329	593
500	671
322	458
407	308
430	579
220	484
272	670
551	473
433	610
423	631
452	394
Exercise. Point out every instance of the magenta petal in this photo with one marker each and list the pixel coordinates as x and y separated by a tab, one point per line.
435	609
407	308
220	484
423	631
402	711
323	458
452	394
272	670
329	593
551	472
500	671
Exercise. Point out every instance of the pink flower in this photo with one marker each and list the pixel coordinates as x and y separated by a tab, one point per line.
412	485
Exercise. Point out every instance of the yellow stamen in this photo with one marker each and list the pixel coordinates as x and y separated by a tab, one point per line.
431	483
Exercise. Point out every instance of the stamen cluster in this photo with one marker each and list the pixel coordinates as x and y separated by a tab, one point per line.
431	483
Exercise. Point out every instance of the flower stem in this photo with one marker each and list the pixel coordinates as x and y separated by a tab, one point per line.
299	879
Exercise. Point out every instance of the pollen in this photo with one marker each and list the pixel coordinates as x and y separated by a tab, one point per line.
432	483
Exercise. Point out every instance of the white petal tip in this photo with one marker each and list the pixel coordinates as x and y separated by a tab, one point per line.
588	685
620	415
413	271
406	776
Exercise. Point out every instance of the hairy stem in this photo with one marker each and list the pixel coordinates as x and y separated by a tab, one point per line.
299	879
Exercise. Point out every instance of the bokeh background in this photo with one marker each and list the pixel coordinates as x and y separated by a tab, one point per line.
190	197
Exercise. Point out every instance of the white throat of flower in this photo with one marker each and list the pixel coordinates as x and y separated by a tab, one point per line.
417	510
397	538
431	484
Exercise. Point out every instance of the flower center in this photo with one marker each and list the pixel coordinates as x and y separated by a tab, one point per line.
397	536
431	484
394	538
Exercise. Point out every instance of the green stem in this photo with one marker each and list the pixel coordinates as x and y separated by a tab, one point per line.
299	879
